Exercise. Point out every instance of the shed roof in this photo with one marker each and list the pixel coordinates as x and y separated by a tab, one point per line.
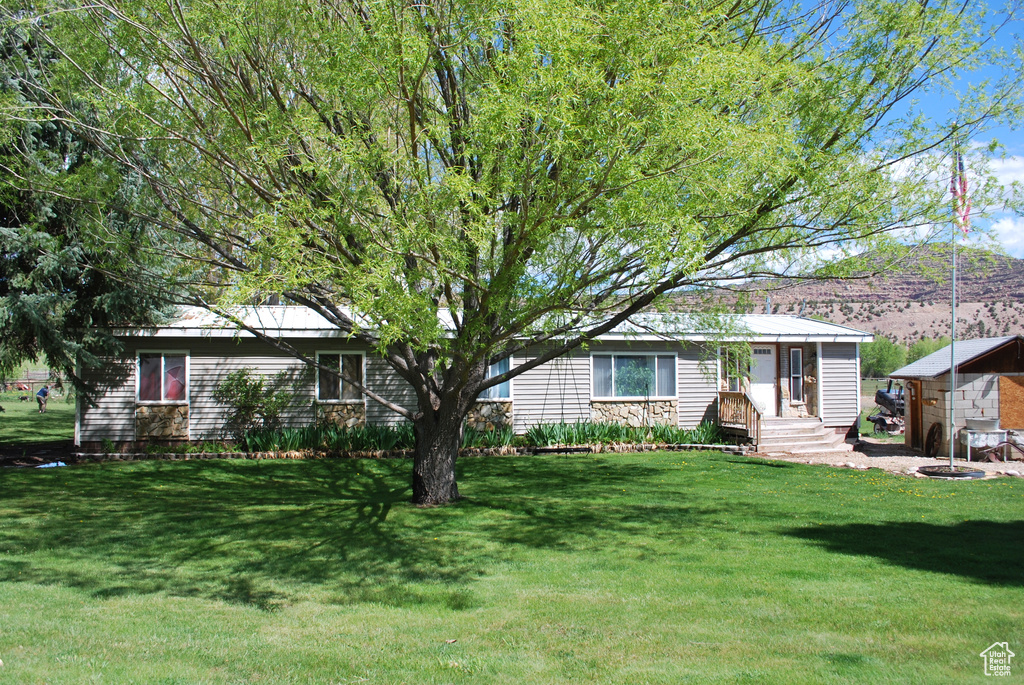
937	363
301	322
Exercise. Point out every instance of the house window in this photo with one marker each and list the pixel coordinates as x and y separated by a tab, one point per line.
502	391
338	381
796	374
163	377
634	375
732	370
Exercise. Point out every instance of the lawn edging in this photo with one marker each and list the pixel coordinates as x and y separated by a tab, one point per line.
94	457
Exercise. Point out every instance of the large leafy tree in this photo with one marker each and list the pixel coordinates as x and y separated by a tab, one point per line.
455	182
57	301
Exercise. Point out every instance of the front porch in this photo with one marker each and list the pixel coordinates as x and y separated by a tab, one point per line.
741	417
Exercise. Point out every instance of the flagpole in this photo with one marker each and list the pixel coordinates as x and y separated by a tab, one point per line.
952	350
961	219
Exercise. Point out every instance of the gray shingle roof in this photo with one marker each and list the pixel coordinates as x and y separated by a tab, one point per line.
937	363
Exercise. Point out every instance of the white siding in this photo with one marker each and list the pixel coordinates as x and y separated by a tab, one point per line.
696	384
840	384
552	392
113	417
382	379
211	362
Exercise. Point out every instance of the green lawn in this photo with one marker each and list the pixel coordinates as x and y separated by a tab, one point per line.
637	568
21	422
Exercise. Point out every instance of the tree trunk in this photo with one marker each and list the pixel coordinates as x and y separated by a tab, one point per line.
438	438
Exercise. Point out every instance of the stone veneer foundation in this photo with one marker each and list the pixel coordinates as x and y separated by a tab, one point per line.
161	422
348	415
486	416
633	413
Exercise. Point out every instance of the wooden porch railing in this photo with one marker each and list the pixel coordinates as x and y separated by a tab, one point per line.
738	410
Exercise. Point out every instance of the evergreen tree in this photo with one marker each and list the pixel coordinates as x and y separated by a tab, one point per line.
58	299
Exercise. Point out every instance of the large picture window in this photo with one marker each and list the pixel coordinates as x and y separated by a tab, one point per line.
634	375
337	382
163	377
502	391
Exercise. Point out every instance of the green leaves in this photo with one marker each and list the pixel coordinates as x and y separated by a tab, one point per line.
534	169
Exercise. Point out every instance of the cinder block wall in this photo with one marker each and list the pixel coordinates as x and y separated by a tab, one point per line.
976	395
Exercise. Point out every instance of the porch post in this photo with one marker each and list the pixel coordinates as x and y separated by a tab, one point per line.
819	384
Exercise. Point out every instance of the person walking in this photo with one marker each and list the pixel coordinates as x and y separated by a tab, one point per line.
41	396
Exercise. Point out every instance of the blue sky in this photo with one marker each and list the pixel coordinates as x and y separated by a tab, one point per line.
1006	227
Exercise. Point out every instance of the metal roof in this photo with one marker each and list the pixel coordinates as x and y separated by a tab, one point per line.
937	363
301	322
739	327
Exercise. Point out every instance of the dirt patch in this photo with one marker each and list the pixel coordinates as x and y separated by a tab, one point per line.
892	457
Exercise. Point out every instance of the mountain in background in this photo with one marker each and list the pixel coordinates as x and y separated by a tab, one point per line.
911	300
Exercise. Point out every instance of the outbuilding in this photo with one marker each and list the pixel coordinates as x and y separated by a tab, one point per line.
989	385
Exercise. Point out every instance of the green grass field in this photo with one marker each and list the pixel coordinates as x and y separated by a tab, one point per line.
637	568
21	422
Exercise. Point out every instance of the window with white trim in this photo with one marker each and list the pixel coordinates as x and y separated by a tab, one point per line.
162	377
501	391
796	374
731	368
634	375
337	382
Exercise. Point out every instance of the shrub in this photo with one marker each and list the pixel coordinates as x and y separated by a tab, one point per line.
590	433
502	436
324	436
254	403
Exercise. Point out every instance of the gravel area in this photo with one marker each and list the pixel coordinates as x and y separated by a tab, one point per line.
893	457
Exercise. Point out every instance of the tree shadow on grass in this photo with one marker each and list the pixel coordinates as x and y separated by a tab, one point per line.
266	533
761	462
989	552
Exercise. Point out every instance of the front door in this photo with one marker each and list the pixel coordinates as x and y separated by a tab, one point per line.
763	378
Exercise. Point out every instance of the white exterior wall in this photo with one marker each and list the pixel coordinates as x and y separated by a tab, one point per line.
113	417
559	390
382	379
696	385
210	361
553	392
213	360
840	384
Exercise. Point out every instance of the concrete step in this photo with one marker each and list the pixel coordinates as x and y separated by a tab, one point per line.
816	430
798	436
806	448
816	439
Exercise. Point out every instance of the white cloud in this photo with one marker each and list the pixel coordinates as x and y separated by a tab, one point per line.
1008	170
1009	231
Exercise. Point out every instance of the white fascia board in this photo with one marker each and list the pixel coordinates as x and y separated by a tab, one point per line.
608	337
792	338
224	333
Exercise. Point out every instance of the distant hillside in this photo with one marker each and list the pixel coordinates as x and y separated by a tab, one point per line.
912	300
982	277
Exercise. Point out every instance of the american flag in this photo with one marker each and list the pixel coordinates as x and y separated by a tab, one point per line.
958	188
